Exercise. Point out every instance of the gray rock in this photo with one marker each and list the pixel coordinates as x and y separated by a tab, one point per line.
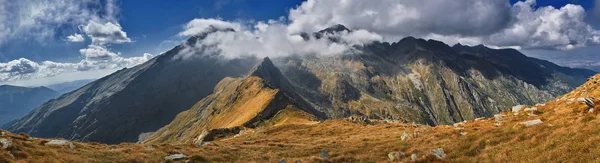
498	117
532	122
463	133
413	157
438	152
176	157
404	136
149	147
60	143
393	156
588	101
143	136
324	154
5	143
531	109
516	109
282	161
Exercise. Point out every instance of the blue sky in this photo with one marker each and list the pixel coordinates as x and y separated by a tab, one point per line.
153	26
149	23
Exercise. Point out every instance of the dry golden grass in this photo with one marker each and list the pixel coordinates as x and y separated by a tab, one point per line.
569	133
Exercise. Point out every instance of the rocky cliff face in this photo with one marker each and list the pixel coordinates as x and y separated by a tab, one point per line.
426	81
16	102
121	106
263	98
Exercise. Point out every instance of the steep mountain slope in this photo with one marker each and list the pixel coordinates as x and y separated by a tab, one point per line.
425	81
563	130
67	87
119	107
16	102
263	98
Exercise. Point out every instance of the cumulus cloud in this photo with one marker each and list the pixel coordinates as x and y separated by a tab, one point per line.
407	17
201	25
96	63
40	20
75	38
43	19
490	22
547	27
271	38
103	33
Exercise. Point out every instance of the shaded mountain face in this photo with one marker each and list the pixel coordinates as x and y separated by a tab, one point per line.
16	102
426	81
263	98
67	87
119	107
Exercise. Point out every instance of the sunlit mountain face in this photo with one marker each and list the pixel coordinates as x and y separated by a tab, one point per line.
307	81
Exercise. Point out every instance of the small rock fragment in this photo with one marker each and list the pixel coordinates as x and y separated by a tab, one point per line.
60	143
404	136
395	156
324	154
438	152
458	124
531	109
532	122
282	161
516	109
149	147
463	133
413	157
5	143
498	117
175	157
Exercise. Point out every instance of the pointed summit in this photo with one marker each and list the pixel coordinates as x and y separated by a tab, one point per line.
266	70
335	29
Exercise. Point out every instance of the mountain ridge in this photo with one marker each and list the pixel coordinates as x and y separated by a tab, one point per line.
423	81
262	98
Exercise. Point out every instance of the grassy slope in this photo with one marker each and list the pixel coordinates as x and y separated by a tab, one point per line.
569	134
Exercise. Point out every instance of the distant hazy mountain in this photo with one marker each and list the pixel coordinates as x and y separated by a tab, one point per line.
16	102
67	87
424	81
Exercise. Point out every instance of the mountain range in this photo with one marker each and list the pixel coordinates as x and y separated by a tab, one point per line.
16	101
186	93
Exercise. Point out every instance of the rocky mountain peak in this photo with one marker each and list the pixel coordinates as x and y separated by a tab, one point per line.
211	29
266	70
335	29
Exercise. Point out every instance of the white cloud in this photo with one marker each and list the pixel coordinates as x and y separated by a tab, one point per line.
103	33
39	20
489	22
547	27
97	62
75	38
200	25
406	17
267	39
